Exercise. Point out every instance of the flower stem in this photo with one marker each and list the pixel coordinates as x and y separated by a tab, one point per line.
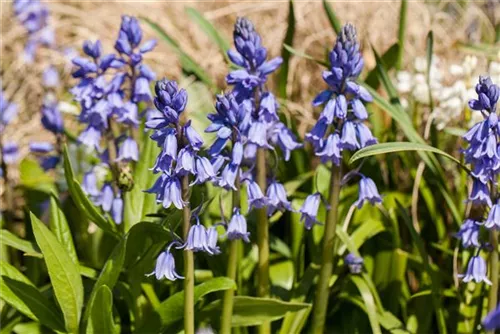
232	266
262	238
321	300
493	298
188	263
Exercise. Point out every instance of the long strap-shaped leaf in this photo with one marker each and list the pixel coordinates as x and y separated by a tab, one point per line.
393	147
63	272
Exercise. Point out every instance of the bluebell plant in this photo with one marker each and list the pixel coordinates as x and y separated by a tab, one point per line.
180	166
34	16
340	129
483	154
247	117
114	94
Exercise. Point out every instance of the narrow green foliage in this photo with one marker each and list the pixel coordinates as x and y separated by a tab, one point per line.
285	53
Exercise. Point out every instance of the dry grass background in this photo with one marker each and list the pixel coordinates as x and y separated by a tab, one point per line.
377	23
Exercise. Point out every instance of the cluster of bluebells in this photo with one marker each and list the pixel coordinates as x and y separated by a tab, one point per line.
8	112
179	158
34	16
247	118
483	153
341	126
110	89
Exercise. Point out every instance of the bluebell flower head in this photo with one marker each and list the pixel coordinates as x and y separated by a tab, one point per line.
493	220
129	151
256	198
368	192
106	197
277	199
480	193
476	271
197	238
50	77
285	139
89	184
192	136
165	265
168	191
212	238
10	152
309	210
331	150
204	170
7	111
469	233
51	117
41	147
354	263
228	176
251	56
185	162
237	227
117	210
492	320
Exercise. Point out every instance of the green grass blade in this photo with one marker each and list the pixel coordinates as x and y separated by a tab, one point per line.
389	59
285	53
59	226
367	296
332	18
304	55
208	28
188	63
401	33
392	147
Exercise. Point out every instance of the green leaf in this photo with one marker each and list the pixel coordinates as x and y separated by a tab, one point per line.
304	55
285	54
137	202
210	30
381	68
63	272
253	311
108	277
389	59
334	21
401	33
172	309
384	148
281	274
371	309
34	177
18	291
59	226
9	239
435	286
101	318
188	64
82	202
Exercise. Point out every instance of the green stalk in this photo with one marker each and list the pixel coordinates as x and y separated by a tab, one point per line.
188	263
262	238
322	293
401	34
232	266
493	298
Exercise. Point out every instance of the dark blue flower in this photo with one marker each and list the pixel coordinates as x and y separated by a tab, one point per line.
212	238
50	77
129	151
480	193
165	265
168	191
492	320
493	220
309	210
256	198
117	210
367	192
89	184
204	171
469	233
237	227
331	150
51	117
476	271
355	263
10	153
277	199
41	147
197	238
